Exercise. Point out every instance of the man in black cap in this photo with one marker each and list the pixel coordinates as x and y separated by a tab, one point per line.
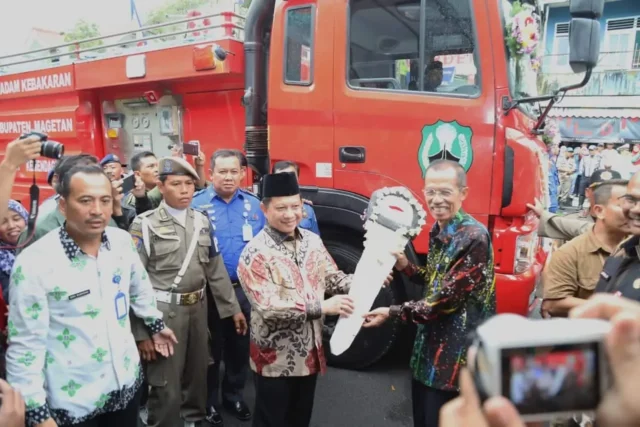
285	272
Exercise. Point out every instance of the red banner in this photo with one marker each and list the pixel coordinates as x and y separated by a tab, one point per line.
56	125
54	80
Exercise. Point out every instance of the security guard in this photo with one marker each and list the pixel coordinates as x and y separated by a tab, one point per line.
236	217
179	250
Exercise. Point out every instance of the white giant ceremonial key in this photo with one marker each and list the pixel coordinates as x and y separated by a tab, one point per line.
393	217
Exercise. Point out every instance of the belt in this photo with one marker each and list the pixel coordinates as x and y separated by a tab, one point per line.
189	298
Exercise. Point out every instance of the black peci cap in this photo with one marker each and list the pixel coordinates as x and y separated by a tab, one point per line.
280	185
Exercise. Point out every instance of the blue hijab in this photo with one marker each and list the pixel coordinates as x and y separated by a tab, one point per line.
8	256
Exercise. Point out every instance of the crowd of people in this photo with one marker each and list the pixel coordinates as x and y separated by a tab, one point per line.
126	306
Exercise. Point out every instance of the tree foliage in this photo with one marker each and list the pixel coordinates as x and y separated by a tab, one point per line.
81	31
170	12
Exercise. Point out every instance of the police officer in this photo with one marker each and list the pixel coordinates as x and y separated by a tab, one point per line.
236	217
178	248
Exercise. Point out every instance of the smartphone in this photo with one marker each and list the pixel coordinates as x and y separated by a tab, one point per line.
191	148
128	182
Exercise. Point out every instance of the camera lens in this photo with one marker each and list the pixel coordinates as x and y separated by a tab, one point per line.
52	150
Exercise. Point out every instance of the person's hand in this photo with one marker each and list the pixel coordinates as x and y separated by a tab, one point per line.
388	280
375	317
619	406
240	323
465	410
147	350
139	190
163	342
338	305
20	151
536	208
401	261
116	191
307	201
200	159
12	409
176	151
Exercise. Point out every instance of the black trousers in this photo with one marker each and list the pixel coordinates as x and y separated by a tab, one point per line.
427	403
584	183
284	401
233	349
128	417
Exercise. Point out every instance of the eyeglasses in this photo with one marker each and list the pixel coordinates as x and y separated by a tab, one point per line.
629	202
431	193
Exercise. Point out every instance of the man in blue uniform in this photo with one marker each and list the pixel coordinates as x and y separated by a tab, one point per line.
236	217
309	221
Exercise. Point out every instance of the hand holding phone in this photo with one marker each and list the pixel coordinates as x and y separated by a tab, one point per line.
191	148
128	182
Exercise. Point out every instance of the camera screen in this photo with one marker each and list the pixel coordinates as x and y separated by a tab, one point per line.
547	379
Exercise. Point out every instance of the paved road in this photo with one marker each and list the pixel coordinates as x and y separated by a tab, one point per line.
377	397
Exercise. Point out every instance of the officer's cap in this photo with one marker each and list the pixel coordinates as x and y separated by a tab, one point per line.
176	166
592	147
570	149
109	158
602	175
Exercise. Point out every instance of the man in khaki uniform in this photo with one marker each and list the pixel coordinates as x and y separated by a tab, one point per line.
574	269
179	250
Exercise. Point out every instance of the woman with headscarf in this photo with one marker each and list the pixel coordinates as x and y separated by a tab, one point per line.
10	229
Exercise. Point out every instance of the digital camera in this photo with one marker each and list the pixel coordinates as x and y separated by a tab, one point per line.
548	369
49	149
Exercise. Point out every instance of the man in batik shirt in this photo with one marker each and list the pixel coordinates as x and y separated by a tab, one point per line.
459	292
285	272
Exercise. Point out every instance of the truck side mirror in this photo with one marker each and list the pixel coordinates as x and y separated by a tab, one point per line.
584	34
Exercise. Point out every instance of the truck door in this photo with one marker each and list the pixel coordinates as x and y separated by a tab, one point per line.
300	84
413	84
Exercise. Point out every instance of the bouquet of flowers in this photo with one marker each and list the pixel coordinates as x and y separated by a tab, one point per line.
551	133
523	33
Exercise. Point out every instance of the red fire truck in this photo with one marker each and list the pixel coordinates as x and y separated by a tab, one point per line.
361	94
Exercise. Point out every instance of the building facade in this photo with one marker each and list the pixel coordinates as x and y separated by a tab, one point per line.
607	109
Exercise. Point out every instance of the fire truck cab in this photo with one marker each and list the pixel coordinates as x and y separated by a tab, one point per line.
362	94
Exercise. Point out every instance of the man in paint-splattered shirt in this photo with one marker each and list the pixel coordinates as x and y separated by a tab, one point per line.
459	292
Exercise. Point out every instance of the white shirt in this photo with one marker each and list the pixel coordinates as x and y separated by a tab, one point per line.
179	214
69	354
48	206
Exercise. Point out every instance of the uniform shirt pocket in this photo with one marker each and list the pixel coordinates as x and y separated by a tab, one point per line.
166	255
204	248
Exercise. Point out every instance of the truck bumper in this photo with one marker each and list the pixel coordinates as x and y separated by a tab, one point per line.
515	292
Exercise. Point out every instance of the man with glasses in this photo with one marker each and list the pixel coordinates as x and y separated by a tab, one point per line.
236	217
573	271
459	292
621	272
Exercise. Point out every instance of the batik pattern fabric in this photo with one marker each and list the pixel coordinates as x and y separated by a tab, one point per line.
459	295
285	279
71	351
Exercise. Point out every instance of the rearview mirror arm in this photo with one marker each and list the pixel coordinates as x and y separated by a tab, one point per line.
556	97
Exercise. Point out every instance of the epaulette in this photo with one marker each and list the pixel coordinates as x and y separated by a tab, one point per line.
249	193
138	218
199	192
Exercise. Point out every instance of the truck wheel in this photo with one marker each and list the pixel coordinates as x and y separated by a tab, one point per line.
370	344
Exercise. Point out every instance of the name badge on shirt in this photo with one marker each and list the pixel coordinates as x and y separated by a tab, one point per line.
79	295
121	306
247	232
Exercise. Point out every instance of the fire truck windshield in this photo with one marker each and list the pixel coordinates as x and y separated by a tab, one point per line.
393	48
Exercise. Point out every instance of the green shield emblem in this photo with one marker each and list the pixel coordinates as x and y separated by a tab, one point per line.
446	141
